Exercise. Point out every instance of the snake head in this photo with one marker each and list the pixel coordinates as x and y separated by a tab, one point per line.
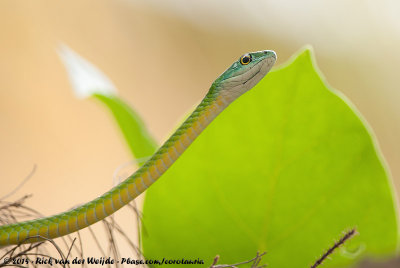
244	73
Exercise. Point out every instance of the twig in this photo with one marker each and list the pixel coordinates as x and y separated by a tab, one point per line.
329	252
26	252
11	212
70	248
96	241
112	245
27	178
119	230
256	260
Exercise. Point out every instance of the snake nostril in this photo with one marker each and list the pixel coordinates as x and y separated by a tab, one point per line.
270	53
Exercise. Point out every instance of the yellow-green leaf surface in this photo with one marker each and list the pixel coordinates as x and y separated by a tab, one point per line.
285	169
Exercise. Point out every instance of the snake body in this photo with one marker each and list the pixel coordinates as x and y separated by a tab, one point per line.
237	79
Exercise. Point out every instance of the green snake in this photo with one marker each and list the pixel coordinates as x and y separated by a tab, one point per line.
241	76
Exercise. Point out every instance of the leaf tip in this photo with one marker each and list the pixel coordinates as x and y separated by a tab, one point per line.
303	57
306	54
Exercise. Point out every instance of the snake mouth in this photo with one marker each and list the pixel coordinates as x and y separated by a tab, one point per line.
254	75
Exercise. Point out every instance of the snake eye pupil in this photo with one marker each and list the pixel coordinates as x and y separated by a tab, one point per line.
245	59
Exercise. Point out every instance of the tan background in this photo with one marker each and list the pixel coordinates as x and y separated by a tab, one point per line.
162	60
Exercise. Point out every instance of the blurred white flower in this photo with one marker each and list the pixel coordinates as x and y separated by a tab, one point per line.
86	79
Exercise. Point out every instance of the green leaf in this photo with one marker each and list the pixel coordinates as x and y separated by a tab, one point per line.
285	169
139	140
87	80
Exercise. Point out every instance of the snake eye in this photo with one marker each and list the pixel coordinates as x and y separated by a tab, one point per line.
245	59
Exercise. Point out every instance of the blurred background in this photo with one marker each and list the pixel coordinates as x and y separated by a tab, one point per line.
162	55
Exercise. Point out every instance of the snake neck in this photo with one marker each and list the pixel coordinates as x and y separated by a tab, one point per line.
105	205
212	105
191	128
